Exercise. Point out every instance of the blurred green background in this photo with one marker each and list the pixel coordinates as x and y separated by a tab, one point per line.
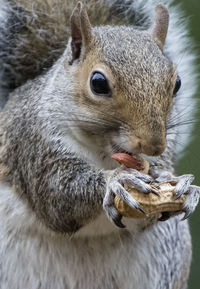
190	163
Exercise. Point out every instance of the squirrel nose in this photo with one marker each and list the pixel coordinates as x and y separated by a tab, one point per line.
158	150
153	148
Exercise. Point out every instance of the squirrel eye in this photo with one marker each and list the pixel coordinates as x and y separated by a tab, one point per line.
177	85
99	84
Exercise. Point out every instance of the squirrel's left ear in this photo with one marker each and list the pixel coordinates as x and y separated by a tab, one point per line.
81	31
160	25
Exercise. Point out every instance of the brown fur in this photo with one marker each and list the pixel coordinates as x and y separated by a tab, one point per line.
143	93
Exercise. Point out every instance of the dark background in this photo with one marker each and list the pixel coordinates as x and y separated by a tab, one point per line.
190	163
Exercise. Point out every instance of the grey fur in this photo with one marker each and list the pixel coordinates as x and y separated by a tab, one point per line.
55	165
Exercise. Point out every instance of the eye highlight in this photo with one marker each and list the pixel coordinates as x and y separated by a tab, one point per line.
99	84
177	85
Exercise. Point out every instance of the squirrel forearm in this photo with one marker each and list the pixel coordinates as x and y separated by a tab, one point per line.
68	194
64	191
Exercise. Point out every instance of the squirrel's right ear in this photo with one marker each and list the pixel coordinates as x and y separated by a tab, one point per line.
81	30
160	25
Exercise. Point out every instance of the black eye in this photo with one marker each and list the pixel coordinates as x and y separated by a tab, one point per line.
99	84
177	85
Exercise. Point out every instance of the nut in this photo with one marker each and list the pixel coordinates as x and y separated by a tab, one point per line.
132	162
150	203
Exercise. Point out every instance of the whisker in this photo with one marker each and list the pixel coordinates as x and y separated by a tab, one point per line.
179	124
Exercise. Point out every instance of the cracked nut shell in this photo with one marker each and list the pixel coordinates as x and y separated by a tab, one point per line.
150	203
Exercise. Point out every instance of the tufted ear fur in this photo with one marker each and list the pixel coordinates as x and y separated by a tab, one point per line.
81	31
160	25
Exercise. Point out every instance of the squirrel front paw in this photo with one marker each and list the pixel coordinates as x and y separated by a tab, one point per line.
116	180
182	186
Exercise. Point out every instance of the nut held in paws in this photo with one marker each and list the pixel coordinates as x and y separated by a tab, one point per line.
150	203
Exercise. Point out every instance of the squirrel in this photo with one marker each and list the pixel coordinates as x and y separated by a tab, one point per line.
72	94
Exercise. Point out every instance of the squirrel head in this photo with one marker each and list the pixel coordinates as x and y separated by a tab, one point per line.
124	83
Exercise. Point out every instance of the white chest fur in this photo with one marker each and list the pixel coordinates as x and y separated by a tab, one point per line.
32	256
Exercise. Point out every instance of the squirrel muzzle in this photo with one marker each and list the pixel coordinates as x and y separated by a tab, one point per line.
155	148
149	142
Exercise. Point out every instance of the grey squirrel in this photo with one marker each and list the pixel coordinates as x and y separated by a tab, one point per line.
113	89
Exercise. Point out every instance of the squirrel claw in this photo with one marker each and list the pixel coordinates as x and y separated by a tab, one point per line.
115	187
155	193
113	214
177	195
182	186
141	210
187	214
117	221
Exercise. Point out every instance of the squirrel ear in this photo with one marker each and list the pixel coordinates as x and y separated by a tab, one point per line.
81	30
160	25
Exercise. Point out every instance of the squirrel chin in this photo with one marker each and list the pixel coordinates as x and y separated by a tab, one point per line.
150	159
